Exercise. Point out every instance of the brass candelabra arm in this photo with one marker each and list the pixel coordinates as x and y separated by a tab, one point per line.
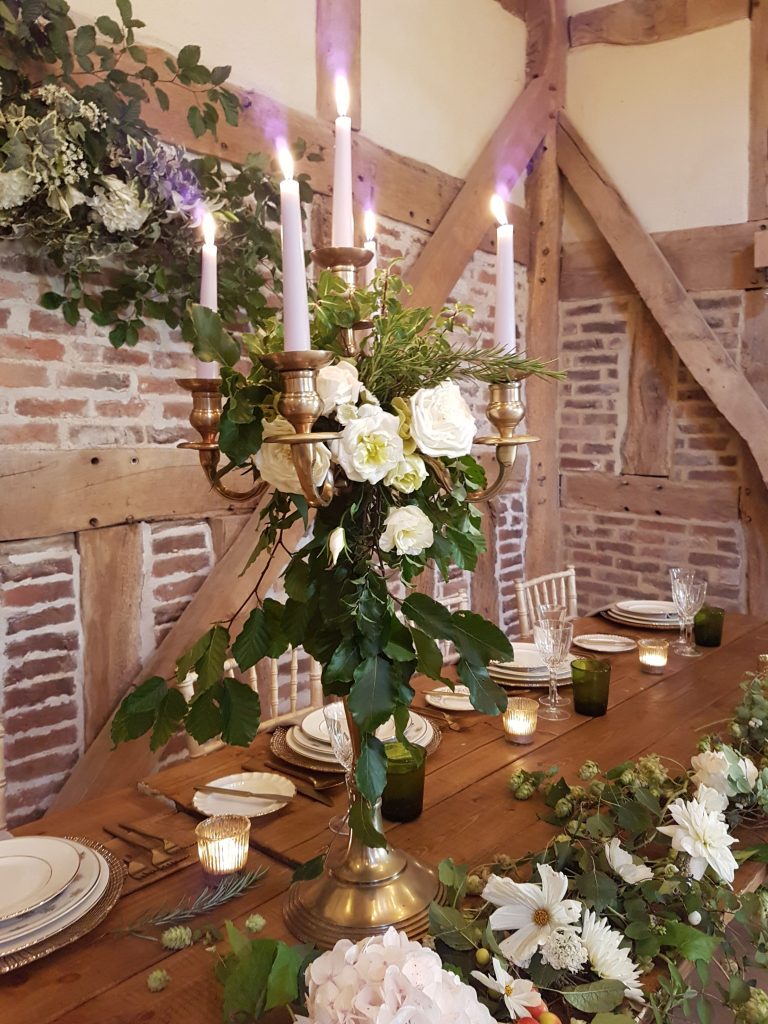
344	261
505	411
205	418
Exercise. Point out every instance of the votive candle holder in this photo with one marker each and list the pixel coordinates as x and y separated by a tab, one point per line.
653	655
520	719
222	844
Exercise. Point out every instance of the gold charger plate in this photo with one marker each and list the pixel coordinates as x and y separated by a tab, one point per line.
278	745
87	922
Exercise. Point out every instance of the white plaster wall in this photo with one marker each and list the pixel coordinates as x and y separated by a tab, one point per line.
670	122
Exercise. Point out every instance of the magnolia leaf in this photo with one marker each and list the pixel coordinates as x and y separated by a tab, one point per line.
471	632
399	644
429	657
371	769
371	698
361	823
170	714
596	997
429	615
485	695
240	712
450	926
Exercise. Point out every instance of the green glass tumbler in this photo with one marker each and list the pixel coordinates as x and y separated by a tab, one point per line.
591	678
403	797
708	626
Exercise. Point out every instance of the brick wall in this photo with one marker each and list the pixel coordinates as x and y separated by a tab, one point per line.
65	388
619	555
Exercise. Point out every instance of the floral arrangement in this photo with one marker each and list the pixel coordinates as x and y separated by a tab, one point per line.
403	479
83	179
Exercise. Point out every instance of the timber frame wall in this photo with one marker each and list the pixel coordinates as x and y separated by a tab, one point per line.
661	453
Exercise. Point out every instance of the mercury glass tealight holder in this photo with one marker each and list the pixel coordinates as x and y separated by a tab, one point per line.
222	844
653	655
520	719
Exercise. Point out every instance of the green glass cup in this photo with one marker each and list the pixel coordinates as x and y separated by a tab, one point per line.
591	678
403	797
708	626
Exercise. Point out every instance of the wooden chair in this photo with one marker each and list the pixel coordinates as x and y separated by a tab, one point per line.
269	692
2	776
456	602
556	588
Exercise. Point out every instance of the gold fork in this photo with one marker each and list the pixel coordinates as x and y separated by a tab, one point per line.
168	844
159	858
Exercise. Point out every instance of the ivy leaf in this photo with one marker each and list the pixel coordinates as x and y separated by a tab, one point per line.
371	698
371	770
245	980
596	997
449	926
239	441
209	339
240	712
361	823
691	943
485	695
599	891
170	714
189	57
204	720
137	712
51	300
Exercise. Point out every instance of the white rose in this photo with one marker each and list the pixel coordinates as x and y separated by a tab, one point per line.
711	769
275	461
337	541
337	385
408	530
370	445
441	421
408	475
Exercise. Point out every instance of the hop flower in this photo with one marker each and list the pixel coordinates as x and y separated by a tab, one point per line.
254	923
475	885
503	860
596	789
177	937
525	791
589	770
157	980
755	1010
628	777
563	808
577	793
516	779
650	770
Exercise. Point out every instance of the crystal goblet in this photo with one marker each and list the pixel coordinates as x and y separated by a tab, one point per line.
553	640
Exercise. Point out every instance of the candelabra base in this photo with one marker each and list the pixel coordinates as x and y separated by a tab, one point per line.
370	891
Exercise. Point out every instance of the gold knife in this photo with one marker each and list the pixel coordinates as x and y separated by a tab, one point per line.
307	791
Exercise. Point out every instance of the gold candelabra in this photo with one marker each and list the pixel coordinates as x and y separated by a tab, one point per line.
362	890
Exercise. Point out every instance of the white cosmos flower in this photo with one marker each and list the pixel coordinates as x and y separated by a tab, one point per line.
710	768
622	862
441	421
408	530
275	461
370	446
408	475
607	958
518	993
531	912
337	385
703	835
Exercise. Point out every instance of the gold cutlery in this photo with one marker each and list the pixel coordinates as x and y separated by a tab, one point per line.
159	858
137	869
441	717
297	773
168	844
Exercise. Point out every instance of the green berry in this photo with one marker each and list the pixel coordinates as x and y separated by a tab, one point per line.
482	957
177	937
157	980
254	923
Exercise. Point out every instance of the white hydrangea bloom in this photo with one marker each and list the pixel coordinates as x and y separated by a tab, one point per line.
118	205
15	188
564	950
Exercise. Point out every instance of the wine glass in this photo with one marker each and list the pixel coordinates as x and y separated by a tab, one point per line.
688	593
553	640
680	575
551	613
335	715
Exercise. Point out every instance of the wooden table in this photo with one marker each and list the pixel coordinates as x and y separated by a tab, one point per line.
469	815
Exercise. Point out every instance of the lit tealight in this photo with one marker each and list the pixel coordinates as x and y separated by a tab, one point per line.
222	843
520	719
653	655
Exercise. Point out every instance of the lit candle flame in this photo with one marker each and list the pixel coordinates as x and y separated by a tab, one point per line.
342	95
285	160
209	229
499	209
369	225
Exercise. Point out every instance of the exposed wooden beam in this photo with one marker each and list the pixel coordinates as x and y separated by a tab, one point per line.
516	7
47	493
758	110
649	496
506	155
103	768
629	22
337	49
111	575
646	445
753	508
661	290
718	258
546	55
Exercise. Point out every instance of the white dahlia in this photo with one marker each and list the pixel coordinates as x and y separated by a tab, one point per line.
607	958
703	835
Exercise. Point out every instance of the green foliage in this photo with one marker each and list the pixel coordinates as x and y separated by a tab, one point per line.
259	975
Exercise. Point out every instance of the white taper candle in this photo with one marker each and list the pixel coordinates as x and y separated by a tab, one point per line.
504	334
295	306
209	295
342	225
369	226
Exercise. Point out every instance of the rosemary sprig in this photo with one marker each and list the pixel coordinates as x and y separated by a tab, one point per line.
208	900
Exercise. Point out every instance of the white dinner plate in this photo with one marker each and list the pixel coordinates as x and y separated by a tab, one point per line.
446	699
299	744
624	619
647	609
256	807
78	889
315	728
34	869
70	916
605	643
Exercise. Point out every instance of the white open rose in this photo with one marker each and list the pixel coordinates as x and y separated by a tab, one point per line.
337	385
408	530
408	475
275	461
370	446
441	421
